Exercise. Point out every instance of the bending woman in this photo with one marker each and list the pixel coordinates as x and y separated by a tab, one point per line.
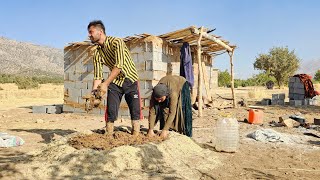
171	105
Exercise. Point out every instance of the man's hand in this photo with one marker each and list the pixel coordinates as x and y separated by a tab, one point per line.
150	133
104	86
164	134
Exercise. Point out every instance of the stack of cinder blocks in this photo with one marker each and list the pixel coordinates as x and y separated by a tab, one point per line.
297	93
278	99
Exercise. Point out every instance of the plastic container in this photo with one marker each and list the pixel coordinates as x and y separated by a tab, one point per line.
227	135
255	116
10	141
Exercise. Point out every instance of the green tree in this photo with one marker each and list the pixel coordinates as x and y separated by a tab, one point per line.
317	76
224	78
279	63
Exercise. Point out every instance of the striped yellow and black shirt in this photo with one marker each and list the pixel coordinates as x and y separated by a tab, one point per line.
114	53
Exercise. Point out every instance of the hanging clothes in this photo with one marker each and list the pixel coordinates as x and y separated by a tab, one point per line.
186	69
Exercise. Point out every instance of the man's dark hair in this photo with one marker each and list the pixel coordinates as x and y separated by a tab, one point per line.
97	23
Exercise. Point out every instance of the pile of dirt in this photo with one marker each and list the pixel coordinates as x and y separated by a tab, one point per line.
103	142
178	157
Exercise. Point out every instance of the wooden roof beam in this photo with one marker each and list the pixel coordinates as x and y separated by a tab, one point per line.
208	36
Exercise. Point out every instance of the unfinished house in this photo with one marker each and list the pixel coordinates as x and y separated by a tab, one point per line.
154	57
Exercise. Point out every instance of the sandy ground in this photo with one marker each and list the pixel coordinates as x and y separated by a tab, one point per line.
299	159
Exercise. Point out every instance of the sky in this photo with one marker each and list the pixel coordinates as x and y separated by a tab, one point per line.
254	26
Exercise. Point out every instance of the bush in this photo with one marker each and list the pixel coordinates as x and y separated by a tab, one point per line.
7	78
317	76
26	83
224	79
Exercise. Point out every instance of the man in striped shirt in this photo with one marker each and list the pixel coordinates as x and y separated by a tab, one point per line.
123	79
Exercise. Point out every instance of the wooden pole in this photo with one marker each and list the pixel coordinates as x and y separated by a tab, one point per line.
200	75
232	77
208	36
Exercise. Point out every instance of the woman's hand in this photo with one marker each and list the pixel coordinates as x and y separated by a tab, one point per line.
164	134
150	133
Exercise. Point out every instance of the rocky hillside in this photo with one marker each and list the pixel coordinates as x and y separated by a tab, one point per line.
29	59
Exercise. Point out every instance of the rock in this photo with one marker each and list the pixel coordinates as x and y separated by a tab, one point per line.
290	123
282	118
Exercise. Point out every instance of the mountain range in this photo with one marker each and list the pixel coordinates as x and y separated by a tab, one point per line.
29	59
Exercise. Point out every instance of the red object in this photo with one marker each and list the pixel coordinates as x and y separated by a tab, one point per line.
309	76
255	116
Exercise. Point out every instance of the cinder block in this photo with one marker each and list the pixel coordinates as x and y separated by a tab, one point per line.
145	113
148	84
275	97
291	90
291	85
134	57
140	66
294	79
85	92
81	101
291	95
79	110
298	91
67	108
152	75
298	96
74	76
281	102
81	85
80	68
123	112
298	85
39	109
123	103
86	76
148	65
295	102
152	56
69	68
69	84
266	102
126	117
145	93
282	96
136	50
56	109
159	66
141	84
146	102
274	102
141	57
73	92
95	111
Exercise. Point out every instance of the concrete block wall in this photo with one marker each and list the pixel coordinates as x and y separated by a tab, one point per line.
78	79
